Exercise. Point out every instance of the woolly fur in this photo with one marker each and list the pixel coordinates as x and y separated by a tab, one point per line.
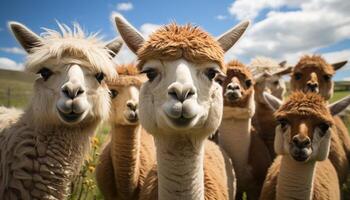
172	42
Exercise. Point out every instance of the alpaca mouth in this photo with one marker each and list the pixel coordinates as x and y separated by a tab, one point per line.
233	95
181	121
71	117
300	155
132	117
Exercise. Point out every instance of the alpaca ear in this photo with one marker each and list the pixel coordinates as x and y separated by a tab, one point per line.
229	38
25	37
114	46
283	63
284	71
339	65
338	106
130	35
272	101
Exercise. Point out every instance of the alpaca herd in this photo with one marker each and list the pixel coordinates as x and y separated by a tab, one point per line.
162	109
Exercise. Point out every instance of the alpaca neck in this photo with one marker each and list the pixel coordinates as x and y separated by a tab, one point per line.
295	180
180	168
125	153
235	137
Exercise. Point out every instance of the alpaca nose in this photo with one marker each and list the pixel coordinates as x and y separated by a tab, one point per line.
312	86
72	90
233	86
132	105
301	142
181	92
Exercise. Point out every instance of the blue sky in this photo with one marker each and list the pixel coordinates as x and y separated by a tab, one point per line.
281	29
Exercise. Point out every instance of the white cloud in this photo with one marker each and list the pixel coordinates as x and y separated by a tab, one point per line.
288	35
126	6
221	17
6	63
148	28
14	50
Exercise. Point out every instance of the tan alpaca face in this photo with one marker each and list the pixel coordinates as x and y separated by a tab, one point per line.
276	85
312	79
237	88
304	138
180	95
125	100
72	93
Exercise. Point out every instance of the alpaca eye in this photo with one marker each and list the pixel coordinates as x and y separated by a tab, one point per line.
324	128
283	122
151	74
248	83
99	77
211	73
45	73
275	82
327	77
113	93
297	76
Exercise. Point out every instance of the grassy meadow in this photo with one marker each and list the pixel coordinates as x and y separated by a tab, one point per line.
16	90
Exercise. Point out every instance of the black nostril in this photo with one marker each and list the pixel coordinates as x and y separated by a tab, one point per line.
66	92
173	94
301	144
312	85
296	141
233	87
131	106
80	91
306	143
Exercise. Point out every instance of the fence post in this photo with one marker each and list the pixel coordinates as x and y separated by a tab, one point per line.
8	97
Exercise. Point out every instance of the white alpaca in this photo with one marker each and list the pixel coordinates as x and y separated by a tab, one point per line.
181	105
273	83
303	138
44	149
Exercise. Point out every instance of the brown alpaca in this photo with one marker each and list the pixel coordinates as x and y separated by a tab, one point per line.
268	78
249	154
303	170
181	105
130	154
314	74
43	150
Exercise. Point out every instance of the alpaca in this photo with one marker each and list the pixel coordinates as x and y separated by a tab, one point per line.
314	74
42	151
302	170
249	154
263	120
181	105
130	154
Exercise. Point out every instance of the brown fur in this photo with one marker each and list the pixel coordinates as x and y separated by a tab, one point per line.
128	75
108	169
299	107
214	176
172	42
130	153
324	182
258	157
239	70
320	67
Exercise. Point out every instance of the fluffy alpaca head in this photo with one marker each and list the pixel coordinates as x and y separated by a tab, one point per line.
305	128
124	92
314	74
272	83
71	67
181	62
238	85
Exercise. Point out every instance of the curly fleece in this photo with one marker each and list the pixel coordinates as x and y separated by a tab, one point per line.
301	104
173	41
128	75
315	61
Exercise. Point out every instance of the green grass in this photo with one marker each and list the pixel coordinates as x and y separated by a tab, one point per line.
338	95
